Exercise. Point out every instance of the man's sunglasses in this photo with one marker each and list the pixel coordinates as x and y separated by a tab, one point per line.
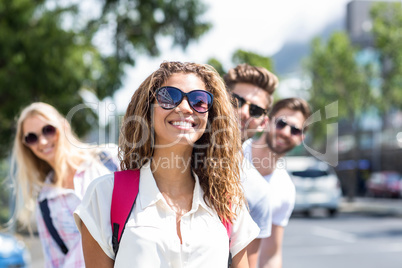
170	97
281	123
254	110
32	138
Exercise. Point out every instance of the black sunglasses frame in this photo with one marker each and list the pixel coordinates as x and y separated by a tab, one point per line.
188	96
281	123
254	110
33	138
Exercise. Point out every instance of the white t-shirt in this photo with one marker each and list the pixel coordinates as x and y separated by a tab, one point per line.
282	188
258	194
150	237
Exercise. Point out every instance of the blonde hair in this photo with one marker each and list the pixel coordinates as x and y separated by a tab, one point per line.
219	146
29	172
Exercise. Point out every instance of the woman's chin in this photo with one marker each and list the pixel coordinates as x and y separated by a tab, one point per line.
181	140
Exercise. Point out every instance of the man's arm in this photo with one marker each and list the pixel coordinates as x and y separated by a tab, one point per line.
271	249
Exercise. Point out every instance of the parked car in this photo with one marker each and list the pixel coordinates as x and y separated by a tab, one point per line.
384	184
317	185
13	252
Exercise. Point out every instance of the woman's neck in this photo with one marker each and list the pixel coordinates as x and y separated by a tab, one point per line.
68	177
172	170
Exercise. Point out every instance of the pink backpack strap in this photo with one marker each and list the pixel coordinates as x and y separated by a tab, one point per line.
125	191
228	226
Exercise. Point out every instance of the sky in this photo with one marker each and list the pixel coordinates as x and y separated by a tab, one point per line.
261	26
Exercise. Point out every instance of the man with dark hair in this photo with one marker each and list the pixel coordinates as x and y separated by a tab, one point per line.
252	89
284	131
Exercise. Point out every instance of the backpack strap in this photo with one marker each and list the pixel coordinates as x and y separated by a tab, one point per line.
228	226
125	191
50	227
107	161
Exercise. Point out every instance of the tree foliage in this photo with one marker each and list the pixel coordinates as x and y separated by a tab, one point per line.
4	194
39	61
387	31
43	57
241	56
137	26
337	76
214	62
254	59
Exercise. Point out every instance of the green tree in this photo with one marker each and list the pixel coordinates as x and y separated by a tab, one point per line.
241	56
337	76
387	25
138	25
214	62
39	61
47	51
254	59
5	192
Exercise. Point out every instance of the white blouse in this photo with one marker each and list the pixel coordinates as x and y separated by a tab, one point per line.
150	236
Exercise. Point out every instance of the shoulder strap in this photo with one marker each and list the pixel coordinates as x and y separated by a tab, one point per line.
50	227
107	161
228	226
125	191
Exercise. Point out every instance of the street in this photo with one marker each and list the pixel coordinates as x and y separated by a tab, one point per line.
348	240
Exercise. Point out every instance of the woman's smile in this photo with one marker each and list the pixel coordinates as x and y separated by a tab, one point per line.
183	124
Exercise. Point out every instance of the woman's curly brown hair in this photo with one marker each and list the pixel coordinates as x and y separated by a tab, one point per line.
216	155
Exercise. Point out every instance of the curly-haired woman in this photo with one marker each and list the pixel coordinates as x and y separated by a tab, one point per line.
180	131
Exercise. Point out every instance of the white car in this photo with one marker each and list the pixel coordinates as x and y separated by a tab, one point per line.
317	185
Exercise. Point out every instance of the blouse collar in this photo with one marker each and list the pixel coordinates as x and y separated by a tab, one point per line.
153	195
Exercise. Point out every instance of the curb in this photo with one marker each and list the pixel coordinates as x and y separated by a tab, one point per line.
383	207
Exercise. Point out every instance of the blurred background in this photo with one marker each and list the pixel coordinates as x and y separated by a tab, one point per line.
87	58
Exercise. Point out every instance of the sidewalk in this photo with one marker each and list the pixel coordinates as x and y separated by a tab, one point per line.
375	206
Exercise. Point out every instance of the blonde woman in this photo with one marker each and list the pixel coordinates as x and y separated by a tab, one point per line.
53	168
180	131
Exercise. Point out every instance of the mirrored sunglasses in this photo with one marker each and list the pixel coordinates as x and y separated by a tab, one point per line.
32	138
170	97
254	110
281	123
